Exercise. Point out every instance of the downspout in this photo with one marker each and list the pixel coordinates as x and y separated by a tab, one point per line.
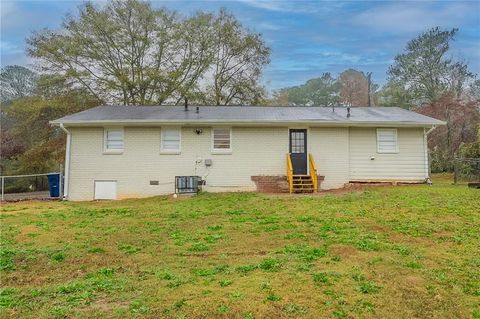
67	162
427	162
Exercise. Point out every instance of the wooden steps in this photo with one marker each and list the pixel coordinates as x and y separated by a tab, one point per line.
302	184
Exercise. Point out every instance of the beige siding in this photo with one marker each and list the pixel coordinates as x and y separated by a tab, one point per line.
329	147
406	165
255	151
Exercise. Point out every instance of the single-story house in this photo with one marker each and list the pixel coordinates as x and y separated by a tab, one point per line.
116	152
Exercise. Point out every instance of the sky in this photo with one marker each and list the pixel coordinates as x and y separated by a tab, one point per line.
307	38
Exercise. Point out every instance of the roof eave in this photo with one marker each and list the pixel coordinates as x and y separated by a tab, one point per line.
249	122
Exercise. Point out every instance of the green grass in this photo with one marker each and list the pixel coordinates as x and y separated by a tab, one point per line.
387	252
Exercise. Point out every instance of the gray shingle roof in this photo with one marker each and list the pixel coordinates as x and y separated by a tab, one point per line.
247	115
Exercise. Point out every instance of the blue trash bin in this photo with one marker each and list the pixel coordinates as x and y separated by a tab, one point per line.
54	185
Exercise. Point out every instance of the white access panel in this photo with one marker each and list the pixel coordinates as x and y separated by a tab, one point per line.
105	190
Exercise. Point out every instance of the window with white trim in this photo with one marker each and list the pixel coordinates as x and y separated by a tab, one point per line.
170	140
387	140
113	140
221	140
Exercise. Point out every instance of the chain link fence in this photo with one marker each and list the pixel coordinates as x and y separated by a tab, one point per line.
33	186
467	171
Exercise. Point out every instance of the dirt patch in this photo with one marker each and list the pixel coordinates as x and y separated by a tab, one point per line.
105	304
237	253
401	238
26	231
414	281
444	235
344	251
378	228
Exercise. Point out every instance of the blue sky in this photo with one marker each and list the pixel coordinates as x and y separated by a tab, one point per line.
307	38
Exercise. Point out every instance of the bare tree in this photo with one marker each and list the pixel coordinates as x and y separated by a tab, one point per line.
130	53
354	88
238	60
462	117
16	82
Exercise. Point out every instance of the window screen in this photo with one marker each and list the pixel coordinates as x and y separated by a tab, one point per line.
387	140
113	139
297	140
221	139
170	139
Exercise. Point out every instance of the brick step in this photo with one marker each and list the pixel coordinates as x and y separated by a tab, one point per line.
303	191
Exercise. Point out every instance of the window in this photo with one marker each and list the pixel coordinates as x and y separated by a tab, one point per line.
113	140
170	140
387	140
221	140
297	141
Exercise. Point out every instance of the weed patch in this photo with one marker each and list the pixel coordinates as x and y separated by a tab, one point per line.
199	247
270	264
368	287
128	249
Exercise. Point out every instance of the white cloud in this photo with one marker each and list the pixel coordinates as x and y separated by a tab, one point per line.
414	16
268	26
10	48
294	6
268	5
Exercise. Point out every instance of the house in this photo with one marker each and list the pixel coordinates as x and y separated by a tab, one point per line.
116	152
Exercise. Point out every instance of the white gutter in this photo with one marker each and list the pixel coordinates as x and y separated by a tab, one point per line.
67	162
431	129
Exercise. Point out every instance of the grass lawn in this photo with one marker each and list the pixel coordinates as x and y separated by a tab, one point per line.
387	252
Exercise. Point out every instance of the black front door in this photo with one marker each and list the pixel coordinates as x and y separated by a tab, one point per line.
298	151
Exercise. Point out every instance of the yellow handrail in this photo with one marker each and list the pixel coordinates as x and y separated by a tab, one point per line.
313	172
290	172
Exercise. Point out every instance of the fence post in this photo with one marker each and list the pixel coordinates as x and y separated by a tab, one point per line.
455	169
3	186
478	170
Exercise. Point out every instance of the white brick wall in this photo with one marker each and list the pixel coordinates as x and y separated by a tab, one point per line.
341	154
255	151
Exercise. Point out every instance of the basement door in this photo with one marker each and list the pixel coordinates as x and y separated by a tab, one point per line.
105	190
298	151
